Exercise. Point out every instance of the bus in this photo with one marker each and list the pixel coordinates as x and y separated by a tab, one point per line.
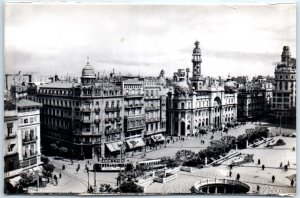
150	164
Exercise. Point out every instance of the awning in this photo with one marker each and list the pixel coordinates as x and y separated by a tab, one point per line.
135	142
114	146
15	181
158	137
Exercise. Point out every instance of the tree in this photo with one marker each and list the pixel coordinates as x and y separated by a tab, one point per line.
130	187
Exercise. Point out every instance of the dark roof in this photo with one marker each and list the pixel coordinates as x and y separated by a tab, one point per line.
9	105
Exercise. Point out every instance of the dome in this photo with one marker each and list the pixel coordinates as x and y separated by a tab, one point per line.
197	50
88	71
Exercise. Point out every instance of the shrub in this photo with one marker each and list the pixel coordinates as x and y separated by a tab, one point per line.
130	187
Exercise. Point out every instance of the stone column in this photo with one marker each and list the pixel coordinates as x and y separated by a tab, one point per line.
205	161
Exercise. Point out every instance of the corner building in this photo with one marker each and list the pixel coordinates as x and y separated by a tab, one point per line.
284	89
82	117
198	102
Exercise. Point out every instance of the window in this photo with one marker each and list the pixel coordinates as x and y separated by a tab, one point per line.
147	92
152	93
106	104
25	120
182	105
9	128
31	120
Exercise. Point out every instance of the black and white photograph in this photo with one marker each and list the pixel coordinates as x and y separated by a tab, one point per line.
149	99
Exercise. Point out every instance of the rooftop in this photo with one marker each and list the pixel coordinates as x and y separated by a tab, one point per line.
27	103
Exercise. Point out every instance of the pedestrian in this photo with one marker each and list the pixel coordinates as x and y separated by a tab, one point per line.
55	177
230	166
230	173
63	167
288	163
285	167
263	167
257	188
173	141
59	175
273	179
292	182
238	176
258	161
293	148
280	165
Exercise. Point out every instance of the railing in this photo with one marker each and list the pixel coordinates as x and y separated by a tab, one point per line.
86	109
127	95
33	154
133	106
112	109
86	120
152	120
151	97
204	182
11	136
152	108
97	109
97	120
118	119
110	131
29	139
130	128
29	162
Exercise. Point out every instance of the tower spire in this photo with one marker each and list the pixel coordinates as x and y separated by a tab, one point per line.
87	60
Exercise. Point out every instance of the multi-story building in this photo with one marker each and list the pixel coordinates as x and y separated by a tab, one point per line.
11	155
29	133
84	117
284	91
198	102
254	99
155	108
22	140
134	113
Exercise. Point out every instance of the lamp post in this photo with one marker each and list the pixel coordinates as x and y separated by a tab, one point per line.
37	173
87	169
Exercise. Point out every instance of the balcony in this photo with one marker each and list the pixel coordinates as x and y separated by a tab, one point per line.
31	155
127	95
28	140
86	109
97	109
97	120
133	128
149	120
152	109
117	119
10	136
133	106
111	131
152	98
107	109
29	162
86	121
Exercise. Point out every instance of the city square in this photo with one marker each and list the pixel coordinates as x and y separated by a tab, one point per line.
139	100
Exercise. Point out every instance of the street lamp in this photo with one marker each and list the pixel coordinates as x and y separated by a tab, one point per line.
87	169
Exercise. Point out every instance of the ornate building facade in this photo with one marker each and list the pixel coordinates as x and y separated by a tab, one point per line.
284	91
198	102
96	117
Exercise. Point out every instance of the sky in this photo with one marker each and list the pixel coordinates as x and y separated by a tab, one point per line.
57	38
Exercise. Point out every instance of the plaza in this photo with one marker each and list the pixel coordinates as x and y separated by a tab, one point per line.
251	173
